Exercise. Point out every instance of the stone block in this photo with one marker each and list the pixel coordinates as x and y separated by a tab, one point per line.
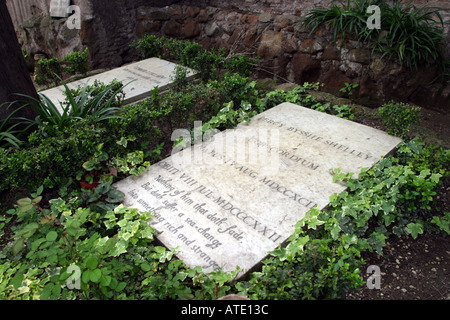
58	8
270	45
229	200
142	76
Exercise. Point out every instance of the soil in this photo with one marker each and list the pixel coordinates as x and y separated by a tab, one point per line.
410	270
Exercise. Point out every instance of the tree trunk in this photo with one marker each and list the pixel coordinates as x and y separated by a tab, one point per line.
14	75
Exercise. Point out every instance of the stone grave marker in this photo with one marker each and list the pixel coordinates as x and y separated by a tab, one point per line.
228	201
144	75
58	8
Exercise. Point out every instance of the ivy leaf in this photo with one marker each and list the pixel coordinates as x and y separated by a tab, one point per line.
115	196
298	245
313	222
122	142
388	219
162	254
377	241
415	229
435	177
335	231
90	164
135	157
442	222
387	207
103	188
119	248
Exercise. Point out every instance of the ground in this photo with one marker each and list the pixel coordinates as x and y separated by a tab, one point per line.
410	270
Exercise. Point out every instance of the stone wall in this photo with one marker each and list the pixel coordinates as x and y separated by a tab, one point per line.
270	30
267	28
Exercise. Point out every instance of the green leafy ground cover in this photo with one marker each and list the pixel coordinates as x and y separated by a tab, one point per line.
65	235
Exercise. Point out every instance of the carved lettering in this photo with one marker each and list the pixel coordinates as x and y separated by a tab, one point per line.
231	210
242	215
288	193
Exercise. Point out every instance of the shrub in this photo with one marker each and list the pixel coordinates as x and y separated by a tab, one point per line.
234	87
312	269
53	70
208	64
78	62
414	34
55	153
272	99
47	160
52	240
149	46
192	55
48	70
398	117
241	63
179	78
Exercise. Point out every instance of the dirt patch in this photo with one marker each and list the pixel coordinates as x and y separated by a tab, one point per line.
410	270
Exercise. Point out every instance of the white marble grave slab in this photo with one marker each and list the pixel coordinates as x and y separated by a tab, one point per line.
141	77
228	201
58	8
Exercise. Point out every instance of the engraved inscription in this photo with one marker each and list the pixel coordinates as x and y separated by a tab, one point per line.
219	206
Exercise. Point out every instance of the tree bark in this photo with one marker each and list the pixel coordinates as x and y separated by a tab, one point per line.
14	75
